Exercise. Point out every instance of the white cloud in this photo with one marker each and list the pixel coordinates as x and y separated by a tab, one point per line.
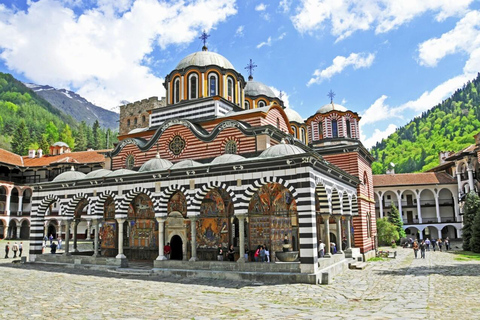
239	32
101	52
284	5
270	41
261	7
347	16
377	136
378	111
285	97
357	60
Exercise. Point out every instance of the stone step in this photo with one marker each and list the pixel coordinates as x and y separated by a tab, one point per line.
357	265
128	271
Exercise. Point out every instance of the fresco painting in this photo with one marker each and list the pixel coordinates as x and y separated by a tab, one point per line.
143	233
178	203
108	235
213	225
109	209
141	208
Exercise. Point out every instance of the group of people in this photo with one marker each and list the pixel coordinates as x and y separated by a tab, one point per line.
53	246
262	254
424	245
230	253
333	247
15	248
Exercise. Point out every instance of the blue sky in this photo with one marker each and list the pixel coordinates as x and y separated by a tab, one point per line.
387	60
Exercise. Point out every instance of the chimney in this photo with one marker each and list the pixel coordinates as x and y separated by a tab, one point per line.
31	153
443	155
391	168
40	153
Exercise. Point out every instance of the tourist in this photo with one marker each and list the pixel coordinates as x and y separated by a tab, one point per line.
440	244
257	254
167	250
344	243
434	245
267	254
20	249
53	247
59	243
220	253
262	253
427	243
246	254
447	244
15	249
231	253
321	251
333	248
7	248
51	239
423	246
415	248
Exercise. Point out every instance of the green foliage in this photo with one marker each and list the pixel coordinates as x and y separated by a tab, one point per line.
449	126
395	219
471	209
475	240
66	136
21	139
386	231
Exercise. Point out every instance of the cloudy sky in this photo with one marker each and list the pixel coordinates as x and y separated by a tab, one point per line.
387	60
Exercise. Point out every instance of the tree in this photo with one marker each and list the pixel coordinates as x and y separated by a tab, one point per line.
66	136
471	209
51	132
21	139
395	219
386	231
96	135
475	241
81	137
44	145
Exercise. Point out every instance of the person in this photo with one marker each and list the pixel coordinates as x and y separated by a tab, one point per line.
344	243
59	243
15	249
262	254
423	246
167	250
231	253
246	254
434	245
220	253
7	248
415	248
53	247
267	254
321	251
20	249
257	254
333	247
447	244
410	241
440	245
51	239
427	243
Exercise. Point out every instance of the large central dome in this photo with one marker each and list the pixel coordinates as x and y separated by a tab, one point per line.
204	58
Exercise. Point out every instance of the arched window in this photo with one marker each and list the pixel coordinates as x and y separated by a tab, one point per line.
295	134
176	90
278	123
369	225
349	131
212	85
135	121
230	90
247	105
143	118
334	129
193	86
261	104
302	135
320	130
231	147
130	162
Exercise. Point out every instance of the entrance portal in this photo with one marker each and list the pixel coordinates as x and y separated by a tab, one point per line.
176	244
52	231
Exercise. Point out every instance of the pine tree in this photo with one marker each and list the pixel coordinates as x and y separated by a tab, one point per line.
66	136
81	137
475	240
51	132
96	135
44	145
472	206
395	219
21	139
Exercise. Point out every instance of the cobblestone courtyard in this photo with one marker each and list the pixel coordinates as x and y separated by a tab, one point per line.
438	287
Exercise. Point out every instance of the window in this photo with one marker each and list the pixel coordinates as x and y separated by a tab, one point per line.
212	85
192	86
369	225
128	122
261	104
302	135
334	129
247	105
135	121
389	197
278	123
176	90
349	131
295	134
231	147
143	118
130	162
177	145
320	130
230	90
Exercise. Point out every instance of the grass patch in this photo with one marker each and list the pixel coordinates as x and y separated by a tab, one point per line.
377	259
466	256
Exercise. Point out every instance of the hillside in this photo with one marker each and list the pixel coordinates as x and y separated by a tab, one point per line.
75	105
449	126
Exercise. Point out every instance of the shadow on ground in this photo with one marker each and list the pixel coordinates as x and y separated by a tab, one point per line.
457	270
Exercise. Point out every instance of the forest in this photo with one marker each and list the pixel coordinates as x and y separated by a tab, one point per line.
29	122
449	126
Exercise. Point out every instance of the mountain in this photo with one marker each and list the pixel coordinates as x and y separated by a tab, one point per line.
449	126
76	106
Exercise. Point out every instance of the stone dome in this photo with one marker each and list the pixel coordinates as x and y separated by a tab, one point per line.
97	173
293	115
227	158
281	150
186	164
120	172
254	88
204	58
69	176
155	164
60	144
331	107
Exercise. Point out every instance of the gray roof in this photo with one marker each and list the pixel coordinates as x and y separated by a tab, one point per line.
227	158
254	88
155	164
120	172
69	176
331	107
186	164
97	173
280	150
293	115
204	58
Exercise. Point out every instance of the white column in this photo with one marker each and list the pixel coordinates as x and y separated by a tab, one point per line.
67	237
241	230
193	227
161	238
381	205
7	202
59	233
459	182
95	239
437	207
456	208
181	89
326	224
419	209
470	179
349	235
20	205
120	254
89	226
338	220
399	198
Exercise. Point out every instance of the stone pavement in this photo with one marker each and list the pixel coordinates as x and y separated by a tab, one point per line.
438	287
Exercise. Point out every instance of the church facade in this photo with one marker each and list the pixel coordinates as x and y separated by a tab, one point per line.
218	162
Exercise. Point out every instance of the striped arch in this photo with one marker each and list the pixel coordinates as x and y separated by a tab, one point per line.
322	196
194	204
336	206
165	197
45	203
345	204
123	207
37	223
72	205
354	206
98	208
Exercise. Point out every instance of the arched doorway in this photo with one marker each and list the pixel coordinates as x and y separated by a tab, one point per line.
52	231
24	230
2	229
108	230
12	230
176	245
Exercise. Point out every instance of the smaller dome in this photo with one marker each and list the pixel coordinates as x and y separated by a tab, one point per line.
331	107
120	172
280	150
254	88
60	144
69	176
203	59
293	115
226	158
97	173
186	164
137	130
155	164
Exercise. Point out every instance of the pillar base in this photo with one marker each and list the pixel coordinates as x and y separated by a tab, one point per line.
161	258
121	256
193	259
241	260
327	255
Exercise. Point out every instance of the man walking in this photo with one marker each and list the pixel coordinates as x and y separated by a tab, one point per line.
427	243
7	248
20	249
15	249
422	249
321	251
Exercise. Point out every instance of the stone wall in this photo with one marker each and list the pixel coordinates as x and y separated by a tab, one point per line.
137	114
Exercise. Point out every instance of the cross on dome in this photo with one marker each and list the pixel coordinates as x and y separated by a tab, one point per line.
331	94
204	38
250	67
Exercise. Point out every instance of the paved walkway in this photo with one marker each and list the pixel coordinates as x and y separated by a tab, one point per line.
438	287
